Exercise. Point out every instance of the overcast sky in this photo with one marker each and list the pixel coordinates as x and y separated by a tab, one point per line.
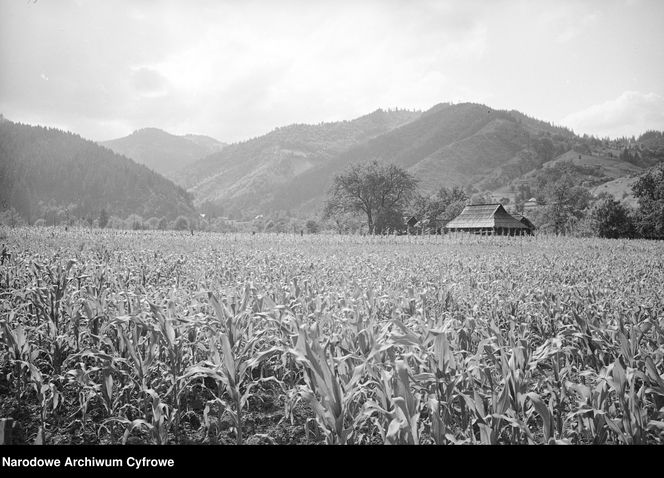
237	69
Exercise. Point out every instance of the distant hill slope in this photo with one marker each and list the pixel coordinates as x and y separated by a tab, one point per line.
210	144
470	145
247	174
620	188
163	152
461	144
609	167
596	171
51	166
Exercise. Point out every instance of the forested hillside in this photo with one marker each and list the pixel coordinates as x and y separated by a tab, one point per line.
448	145
493	155
245	175
500	155
45	169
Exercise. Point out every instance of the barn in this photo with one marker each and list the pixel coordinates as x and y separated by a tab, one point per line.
411	221
524	220
416	226
489	219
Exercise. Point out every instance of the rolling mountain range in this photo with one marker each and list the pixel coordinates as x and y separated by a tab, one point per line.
163	152
448	145
469	145
488	151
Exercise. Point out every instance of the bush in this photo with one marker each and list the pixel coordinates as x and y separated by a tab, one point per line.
181	224
135	222
612	219
312	227
152	223
11	218
115	222
103	218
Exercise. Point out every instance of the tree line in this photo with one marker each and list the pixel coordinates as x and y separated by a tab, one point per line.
387	197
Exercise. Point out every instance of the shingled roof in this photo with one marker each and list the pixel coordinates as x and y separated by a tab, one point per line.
524	220
485	216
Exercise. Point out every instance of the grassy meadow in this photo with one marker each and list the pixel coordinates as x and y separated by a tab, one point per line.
164	337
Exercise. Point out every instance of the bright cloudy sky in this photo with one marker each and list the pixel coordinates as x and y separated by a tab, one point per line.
237	69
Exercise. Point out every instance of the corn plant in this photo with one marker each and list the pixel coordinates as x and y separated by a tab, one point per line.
159	424
447	339
328	396
398	407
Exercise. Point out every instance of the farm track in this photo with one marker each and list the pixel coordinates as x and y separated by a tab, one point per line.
164	337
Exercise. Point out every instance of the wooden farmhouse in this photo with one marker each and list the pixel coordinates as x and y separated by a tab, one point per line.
489	219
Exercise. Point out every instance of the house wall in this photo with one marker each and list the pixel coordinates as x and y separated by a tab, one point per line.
500	231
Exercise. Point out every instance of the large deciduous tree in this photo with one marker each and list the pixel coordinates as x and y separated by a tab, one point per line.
566	204
649	189
612	219
378	191
445	205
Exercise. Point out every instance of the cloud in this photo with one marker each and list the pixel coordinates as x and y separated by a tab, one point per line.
572	30
149	82
237	69
630	114
230	69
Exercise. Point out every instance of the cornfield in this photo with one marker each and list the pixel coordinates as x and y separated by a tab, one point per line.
166	338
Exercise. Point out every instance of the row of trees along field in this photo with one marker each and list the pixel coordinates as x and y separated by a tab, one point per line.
385	194
66	216
376	198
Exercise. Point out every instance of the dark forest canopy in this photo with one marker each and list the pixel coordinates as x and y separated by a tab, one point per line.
42	168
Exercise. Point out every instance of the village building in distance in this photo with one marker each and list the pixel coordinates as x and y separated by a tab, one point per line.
530	205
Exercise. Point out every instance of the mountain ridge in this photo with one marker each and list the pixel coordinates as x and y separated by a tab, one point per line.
163	152
434	145
283	154
44	168
504	154
468	144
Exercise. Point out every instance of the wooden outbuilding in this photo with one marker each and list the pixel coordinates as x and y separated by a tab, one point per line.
489	219
411	221
524	220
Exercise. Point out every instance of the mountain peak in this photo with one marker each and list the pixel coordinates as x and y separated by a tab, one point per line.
464	144
162	151
150	131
